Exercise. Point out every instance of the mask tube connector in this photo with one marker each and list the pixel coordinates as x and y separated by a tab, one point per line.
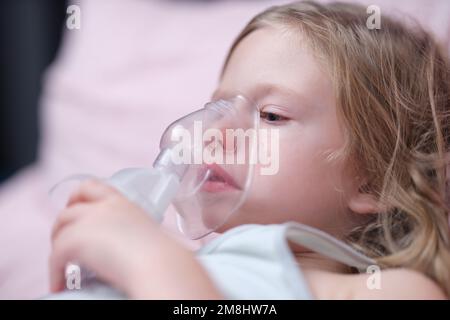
153	189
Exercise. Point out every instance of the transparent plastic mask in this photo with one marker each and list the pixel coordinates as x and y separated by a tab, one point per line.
222	152
206	160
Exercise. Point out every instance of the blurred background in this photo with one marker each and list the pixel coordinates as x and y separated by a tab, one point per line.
30	33
96	99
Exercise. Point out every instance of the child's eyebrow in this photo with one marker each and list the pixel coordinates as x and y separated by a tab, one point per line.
259	92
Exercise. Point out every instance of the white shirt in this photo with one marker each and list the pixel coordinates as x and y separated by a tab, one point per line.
253	262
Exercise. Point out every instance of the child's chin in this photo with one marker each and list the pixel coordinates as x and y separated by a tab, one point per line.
224	228
234	221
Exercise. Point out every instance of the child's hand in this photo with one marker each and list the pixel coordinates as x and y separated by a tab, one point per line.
104	232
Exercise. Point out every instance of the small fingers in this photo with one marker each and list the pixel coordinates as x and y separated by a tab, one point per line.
63	252
69	216
91	191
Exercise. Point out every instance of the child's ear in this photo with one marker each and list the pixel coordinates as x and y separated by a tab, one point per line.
363	202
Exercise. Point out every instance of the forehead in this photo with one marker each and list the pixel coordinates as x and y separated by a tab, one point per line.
273	58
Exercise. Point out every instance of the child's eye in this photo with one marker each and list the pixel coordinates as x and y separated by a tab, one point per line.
272	117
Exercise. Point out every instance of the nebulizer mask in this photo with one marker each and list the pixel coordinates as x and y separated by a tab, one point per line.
204	168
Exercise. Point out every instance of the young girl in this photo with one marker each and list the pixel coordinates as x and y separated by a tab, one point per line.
363	117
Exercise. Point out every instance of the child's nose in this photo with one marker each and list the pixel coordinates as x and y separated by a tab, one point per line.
224	139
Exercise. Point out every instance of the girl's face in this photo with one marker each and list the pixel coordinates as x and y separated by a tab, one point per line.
274	68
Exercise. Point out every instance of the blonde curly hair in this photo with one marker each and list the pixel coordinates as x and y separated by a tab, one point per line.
392	88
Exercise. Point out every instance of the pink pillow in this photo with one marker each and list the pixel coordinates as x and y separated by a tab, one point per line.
132	68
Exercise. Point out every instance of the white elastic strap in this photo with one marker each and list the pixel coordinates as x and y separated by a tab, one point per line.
326	245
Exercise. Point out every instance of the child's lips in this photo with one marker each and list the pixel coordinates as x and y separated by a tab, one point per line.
219	180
